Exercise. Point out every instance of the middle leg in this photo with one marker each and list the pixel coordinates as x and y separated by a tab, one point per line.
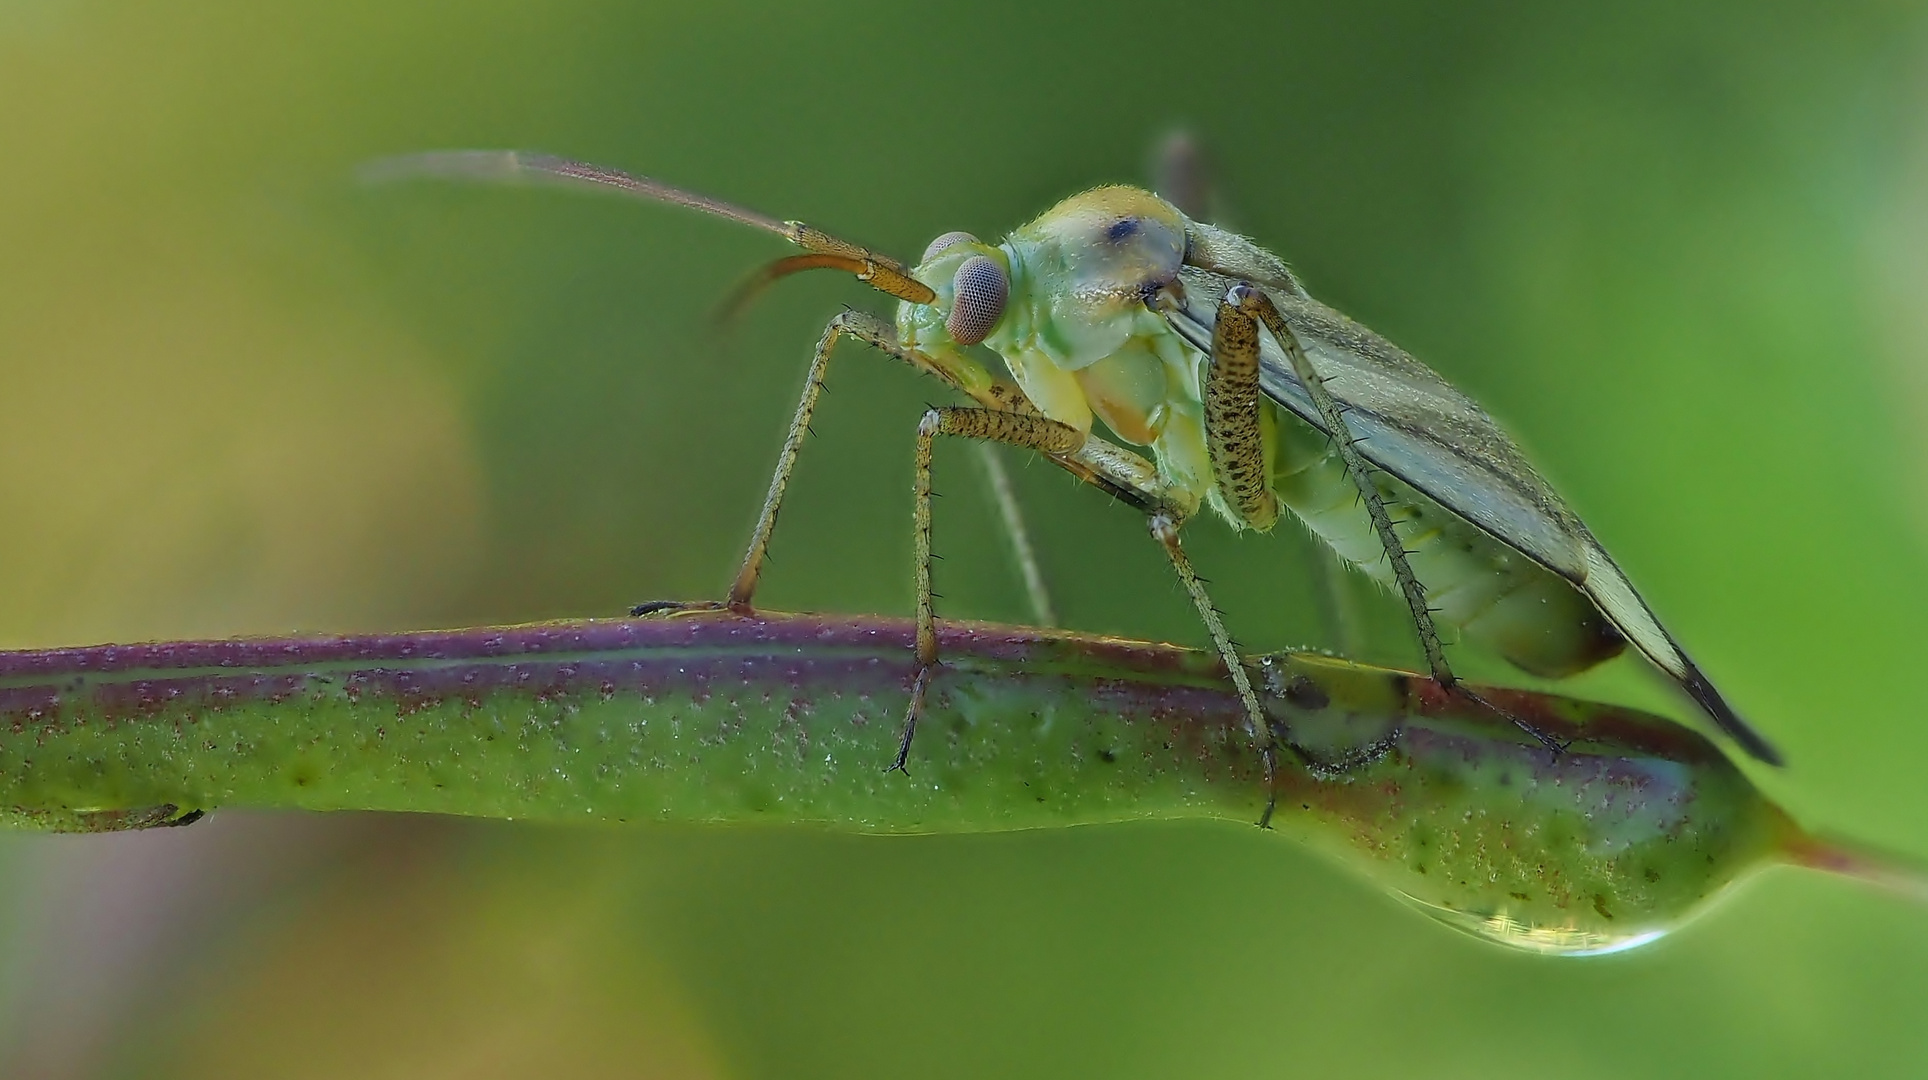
1164	529
1028	430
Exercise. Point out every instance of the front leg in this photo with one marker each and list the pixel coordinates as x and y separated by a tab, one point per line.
845	323
1025	429
743	588
962	375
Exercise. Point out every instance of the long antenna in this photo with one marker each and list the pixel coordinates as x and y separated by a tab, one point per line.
880	272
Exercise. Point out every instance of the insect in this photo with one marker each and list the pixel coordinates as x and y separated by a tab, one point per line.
1248	397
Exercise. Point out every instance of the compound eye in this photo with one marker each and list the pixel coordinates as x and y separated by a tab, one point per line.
947	240
979	290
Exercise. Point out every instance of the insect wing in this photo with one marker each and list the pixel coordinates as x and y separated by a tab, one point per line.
1410	422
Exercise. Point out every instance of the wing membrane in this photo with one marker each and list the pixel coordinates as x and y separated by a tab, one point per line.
1410	422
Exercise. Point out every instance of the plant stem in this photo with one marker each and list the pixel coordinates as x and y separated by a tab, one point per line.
716	717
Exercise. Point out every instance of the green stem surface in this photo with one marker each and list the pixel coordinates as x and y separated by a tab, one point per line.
715	717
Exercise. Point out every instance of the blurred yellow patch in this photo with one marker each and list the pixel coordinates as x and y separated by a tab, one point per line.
182	456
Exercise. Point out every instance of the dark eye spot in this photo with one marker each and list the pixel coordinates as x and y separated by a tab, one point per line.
1122	229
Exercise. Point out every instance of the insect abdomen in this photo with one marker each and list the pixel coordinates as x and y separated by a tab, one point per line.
1505	601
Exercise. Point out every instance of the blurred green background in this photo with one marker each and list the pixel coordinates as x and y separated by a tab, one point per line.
1680	250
